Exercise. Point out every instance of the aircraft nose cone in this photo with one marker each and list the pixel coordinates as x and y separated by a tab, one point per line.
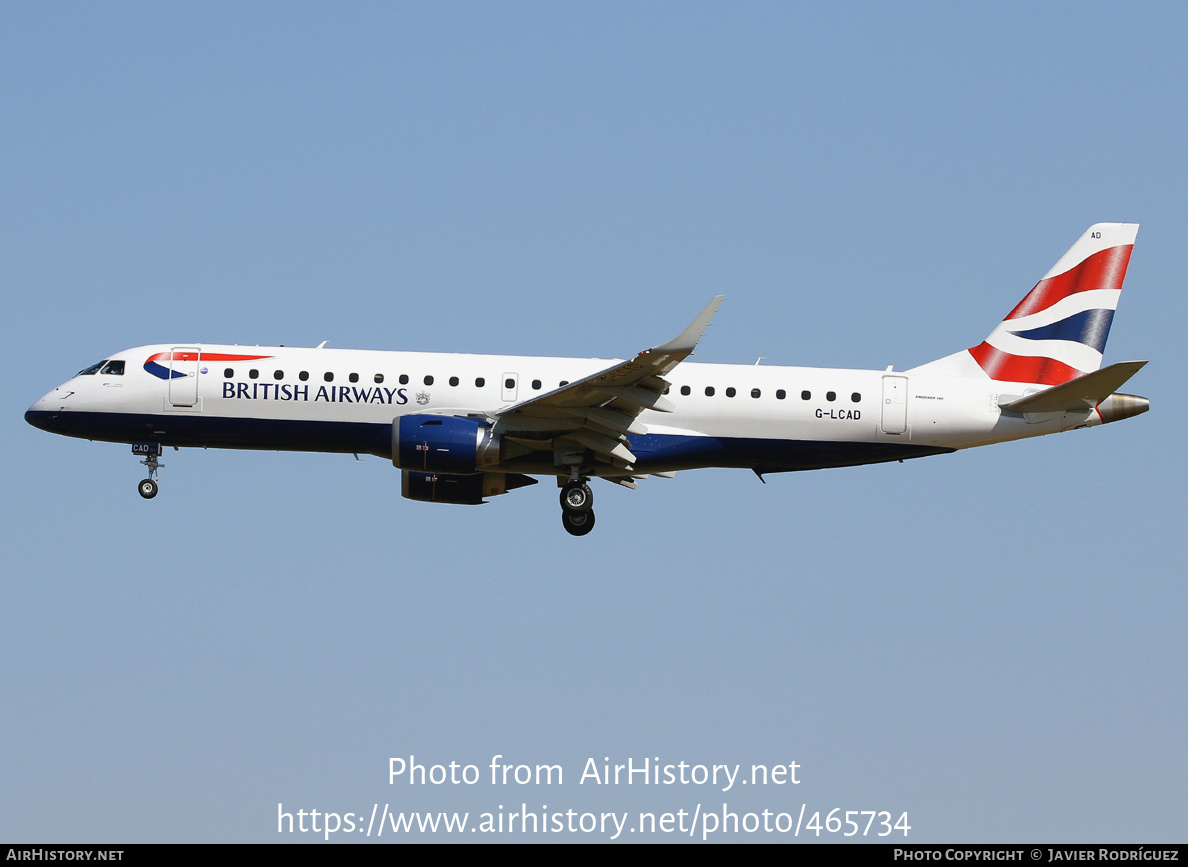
41	416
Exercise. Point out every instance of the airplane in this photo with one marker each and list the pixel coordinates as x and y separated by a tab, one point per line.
462	428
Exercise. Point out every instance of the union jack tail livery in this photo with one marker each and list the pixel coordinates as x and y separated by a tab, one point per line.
1058	332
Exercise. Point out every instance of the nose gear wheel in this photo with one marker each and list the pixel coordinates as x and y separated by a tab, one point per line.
147	488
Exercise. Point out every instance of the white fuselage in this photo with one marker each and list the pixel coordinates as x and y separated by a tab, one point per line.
346	400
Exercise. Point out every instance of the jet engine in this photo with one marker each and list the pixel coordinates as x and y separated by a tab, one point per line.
443	444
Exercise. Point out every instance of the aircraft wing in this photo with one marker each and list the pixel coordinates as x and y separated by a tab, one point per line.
598	412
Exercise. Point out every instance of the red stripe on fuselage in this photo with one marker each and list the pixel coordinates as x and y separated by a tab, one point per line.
206	356
1022	368
1105	269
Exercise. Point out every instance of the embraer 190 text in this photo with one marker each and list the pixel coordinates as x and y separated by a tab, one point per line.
465	427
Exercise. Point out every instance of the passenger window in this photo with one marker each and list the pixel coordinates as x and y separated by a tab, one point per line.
115	368
806	395
278	374
404	379
92	370
563	383
709	391
781	394
328	376
453	380
379	377
730	392
831	395
755	392
685	390
856	397
253	374
228	373
428	380
480	382
354	377
303	375
509	383
536	384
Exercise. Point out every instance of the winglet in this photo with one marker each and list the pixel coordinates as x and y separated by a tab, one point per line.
686	341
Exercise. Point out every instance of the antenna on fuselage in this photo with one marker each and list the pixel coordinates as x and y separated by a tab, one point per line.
322	344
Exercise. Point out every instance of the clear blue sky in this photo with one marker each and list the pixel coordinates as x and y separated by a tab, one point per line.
992	641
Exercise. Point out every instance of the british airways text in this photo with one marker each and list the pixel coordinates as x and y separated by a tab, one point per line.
327	393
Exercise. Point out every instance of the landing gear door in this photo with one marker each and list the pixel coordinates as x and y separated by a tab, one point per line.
894	404
183	375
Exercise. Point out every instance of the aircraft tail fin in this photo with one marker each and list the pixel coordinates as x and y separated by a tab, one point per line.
1058	331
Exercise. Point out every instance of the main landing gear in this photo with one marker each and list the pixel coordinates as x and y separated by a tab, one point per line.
577	507
147	488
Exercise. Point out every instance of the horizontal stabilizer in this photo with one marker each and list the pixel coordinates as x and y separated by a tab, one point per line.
1084	392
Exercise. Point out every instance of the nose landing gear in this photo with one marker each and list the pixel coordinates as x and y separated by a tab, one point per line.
577	507
147	488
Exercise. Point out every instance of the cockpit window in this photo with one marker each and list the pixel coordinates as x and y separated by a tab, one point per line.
92	370
115	368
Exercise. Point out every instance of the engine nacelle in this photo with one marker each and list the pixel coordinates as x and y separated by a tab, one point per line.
466	490
443	444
